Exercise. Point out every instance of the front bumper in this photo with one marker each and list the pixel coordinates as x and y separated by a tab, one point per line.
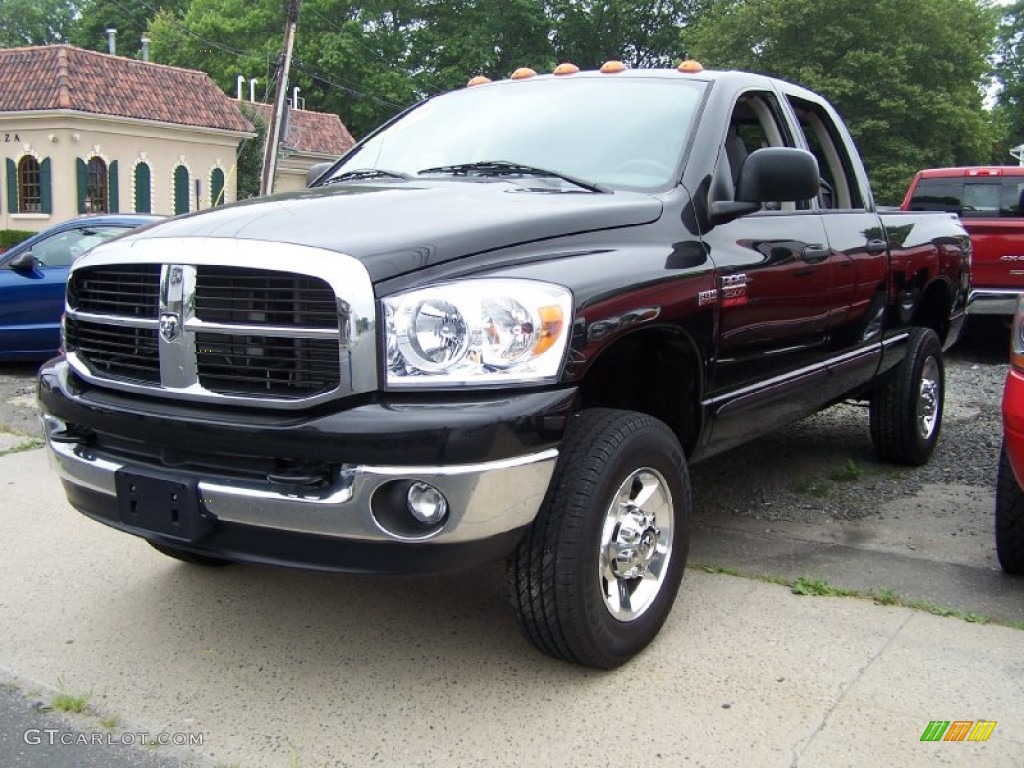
355	518
992	301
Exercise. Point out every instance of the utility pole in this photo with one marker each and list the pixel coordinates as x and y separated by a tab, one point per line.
280	94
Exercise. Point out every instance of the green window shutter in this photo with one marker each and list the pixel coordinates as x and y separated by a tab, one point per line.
12	186
45	188
83	183
217	187
143	204
113	195
181	191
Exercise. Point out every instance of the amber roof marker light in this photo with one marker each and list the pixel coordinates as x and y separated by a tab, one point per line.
611	67
690	67
522	73
565	68
478	80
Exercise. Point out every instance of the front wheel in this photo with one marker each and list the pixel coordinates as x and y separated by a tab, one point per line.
1009	518
595	578
906	410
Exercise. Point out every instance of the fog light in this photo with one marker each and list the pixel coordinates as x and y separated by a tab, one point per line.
426	503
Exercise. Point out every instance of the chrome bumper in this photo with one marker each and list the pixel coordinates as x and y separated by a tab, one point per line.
484	500
985	301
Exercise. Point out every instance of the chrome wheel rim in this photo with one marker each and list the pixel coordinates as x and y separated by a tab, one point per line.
636	544
928	398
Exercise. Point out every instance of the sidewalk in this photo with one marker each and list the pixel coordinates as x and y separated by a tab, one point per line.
281	668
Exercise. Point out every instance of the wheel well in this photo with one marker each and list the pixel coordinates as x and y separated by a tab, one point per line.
654	372
933	310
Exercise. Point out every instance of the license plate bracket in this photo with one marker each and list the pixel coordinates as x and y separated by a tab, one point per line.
165	505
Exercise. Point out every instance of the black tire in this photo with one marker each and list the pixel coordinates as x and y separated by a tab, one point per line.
208	561
555	576
1009	518
906	409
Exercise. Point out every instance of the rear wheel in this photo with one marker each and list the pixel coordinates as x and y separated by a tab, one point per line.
1009	518
189	557
906	409
596	576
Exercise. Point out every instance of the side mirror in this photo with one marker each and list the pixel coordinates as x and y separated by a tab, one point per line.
316	172
778	175
23	262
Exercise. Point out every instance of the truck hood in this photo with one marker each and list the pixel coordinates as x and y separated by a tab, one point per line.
405	226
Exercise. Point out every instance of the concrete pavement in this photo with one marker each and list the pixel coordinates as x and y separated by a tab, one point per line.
286	668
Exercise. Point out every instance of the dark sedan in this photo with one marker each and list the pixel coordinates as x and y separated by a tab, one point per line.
32	279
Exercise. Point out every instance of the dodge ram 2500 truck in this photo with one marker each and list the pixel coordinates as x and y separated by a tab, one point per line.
502	326
990	203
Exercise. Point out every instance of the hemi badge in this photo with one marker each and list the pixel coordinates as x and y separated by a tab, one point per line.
707	297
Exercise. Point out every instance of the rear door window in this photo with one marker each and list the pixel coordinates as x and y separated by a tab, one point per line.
970	198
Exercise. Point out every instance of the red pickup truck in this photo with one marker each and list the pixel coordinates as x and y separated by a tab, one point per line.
989	201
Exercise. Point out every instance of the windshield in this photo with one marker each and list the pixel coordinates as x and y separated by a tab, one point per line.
620	133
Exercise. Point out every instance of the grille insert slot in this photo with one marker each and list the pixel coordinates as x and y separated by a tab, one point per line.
267	366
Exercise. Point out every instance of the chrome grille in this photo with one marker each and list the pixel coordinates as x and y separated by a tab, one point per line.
130	290
143	319
267	365
262	296
117	351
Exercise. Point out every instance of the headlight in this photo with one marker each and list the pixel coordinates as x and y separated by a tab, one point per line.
477	331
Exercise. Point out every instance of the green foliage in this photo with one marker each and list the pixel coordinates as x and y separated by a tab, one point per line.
642	33
131	20
805	585
249	164
1008	64
35	22
69	702
907	75
850	472
11	237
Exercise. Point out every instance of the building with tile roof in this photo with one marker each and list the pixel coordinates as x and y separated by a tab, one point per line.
82	132
308	138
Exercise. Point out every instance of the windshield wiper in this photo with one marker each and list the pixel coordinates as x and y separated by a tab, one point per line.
367	173
506	168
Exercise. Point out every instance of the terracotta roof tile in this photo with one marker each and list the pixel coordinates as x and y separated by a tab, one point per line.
314	132
64	77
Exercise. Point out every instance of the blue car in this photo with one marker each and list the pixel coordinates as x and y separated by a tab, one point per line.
32	279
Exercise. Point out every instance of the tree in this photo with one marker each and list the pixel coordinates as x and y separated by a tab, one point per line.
642	33
907	75
1008	65
35	22
249	163
131	20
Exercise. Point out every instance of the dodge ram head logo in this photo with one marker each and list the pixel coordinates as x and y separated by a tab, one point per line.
169	326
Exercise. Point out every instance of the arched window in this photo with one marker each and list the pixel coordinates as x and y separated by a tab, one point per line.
30	190
181	193
143	179
216	187
96	186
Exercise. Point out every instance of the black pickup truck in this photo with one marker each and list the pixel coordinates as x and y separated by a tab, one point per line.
502	326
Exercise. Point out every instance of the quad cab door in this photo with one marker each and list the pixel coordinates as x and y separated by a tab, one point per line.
774	280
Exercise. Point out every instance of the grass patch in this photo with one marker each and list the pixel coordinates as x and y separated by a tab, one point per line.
819	587
716	569
29	445
110	722
884	596
807	585
812	486
69	702
850	472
